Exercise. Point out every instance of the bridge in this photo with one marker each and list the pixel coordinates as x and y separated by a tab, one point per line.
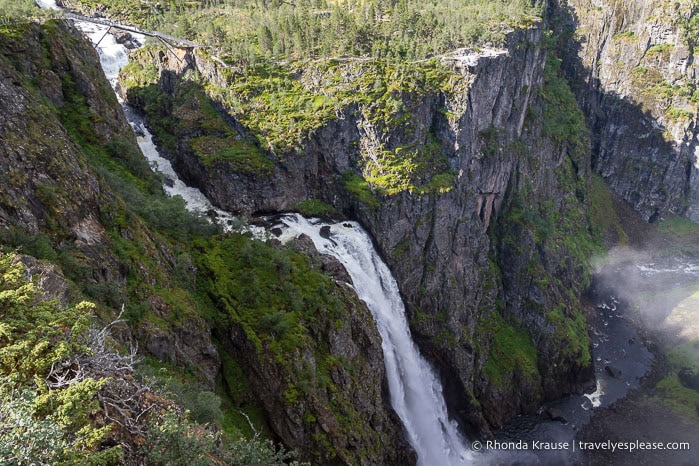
167	39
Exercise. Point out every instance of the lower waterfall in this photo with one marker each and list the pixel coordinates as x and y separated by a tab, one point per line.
416	392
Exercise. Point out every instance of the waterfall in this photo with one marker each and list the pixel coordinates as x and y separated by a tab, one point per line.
113	57
416	392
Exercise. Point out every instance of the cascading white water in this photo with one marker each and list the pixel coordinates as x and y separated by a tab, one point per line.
113	57
416	392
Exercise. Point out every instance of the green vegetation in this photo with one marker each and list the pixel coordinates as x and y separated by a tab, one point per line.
250	31
625	35
572	335
316	208
189	118
421	169
243	156
562	232
563	119
36	335
606	226
683	235
680	398
659	49
690	25
670	390
679	114
273	294
512	355
359	188
283	105
176	440
17	10
287	310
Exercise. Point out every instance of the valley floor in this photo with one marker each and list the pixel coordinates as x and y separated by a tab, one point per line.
665	311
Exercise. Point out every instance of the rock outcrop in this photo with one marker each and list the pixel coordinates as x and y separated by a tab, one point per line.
634	73
490	265
329	401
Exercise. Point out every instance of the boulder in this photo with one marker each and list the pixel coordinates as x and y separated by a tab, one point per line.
613	371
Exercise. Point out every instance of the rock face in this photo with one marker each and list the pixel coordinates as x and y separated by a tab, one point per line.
635	76
62	133
346	419
54	200
491	269
28	134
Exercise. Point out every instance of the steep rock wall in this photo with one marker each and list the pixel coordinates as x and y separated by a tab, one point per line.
58	116
635	75
492	266
73	191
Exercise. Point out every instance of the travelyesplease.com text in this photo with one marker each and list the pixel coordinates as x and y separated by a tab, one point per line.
613	446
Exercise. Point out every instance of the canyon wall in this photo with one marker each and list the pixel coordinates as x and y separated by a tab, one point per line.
635	76
491	263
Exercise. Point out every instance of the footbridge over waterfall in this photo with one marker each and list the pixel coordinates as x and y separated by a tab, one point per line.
168	39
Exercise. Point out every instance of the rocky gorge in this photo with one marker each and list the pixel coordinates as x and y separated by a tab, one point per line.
473	175
475	262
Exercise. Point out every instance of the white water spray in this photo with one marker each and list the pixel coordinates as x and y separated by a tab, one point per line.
416	392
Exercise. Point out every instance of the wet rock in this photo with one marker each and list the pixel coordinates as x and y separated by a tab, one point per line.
688	378
613	371
553	414
325	232
276	231
139	131
126	39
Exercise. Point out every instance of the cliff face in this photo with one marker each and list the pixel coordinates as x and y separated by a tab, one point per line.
633	65
60	123
490	262
78	193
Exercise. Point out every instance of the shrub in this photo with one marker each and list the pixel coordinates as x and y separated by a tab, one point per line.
174	440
